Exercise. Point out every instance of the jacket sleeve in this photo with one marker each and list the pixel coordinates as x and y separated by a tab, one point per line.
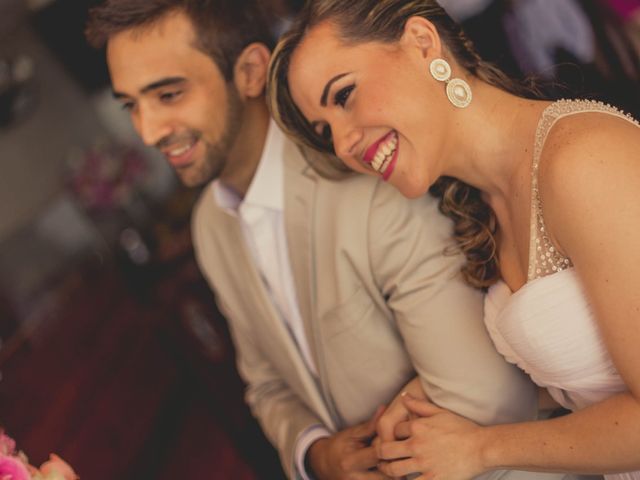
281	413
439	316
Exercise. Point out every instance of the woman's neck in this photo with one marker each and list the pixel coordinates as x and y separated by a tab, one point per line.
491	140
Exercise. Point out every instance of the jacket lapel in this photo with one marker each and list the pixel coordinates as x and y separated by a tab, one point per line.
300	184
268	312
299	202
253	281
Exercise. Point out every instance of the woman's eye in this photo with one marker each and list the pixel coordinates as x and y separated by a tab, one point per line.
342	95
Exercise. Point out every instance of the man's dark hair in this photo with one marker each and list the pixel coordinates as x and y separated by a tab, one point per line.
223	27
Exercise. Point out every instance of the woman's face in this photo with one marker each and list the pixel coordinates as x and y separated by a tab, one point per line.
377	102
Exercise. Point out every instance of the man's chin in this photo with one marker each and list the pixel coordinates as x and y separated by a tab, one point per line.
193	177
188	177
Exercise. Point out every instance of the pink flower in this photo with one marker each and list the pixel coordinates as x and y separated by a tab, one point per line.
7	444
11	468
55	465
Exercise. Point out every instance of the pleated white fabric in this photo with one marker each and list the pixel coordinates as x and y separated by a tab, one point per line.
548	329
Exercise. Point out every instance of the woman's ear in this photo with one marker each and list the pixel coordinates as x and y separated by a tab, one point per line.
250	70
419	33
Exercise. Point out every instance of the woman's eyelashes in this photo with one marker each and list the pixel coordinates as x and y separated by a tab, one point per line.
342	95
340	98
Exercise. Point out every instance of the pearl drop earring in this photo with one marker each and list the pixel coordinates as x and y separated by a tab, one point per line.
458	91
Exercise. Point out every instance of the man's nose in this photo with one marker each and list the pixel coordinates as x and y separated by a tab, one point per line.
151	126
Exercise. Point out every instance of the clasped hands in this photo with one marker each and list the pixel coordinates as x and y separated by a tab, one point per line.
412	435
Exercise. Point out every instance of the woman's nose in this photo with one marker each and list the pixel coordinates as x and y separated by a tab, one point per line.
346	140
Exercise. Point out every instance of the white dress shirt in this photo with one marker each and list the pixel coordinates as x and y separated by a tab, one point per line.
261	214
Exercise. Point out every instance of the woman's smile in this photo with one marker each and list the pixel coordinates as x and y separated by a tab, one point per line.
383	154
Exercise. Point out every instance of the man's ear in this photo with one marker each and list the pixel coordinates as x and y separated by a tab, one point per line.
419	33
250	70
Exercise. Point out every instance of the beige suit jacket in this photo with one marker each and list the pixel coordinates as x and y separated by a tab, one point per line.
379	302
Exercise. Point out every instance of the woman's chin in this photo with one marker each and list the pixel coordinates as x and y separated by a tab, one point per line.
409	188
413	193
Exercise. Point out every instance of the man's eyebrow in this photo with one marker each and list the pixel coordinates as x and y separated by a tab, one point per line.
163	82
325	92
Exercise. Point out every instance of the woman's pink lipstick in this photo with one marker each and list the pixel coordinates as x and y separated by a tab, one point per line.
373	149
382	155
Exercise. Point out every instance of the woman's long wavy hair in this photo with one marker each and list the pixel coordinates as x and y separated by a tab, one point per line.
360	21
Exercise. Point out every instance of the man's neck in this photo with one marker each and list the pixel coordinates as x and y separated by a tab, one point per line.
246	152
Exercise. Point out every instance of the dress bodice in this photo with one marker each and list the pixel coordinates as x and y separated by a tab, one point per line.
548	327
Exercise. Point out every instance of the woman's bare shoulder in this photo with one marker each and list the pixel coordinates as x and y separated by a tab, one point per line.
590	165
588	147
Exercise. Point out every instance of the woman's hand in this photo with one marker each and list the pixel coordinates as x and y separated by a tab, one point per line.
397	412
438	444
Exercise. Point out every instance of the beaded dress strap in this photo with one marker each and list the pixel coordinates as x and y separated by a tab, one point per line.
544	257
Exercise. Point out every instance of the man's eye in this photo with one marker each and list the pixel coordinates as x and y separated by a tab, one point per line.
127	106
170	96
342	95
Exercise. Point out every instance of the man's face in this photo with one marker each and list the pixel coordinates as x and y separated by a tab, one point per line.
177	97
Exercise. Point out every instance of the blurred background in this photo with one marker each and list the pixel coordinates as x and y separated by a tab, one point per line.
112	351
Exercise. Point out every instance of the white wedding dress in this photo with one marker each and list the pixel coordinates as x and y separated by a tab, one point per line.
547	327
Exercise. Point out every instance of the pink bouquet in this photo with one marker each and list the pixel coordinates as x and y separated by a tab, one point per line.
14	465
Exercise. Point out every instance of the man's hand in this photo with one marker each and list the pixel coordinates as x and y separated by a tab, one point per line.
347	454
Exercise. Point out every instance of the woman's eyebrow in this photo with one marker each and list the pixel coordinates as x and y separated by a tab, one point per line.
325	92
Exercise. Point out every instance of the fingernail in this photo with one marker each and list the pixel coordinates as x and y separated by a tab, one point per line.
404	393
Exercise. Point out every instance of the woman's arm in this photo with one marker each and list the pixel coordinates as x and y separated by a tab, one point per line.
590	185
441	445
590	188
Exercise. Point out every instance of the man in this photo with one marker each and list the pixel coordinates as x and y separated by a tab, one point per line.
336	293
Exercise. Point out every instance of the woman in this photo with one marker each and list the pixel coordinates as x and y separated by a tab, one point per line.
395	90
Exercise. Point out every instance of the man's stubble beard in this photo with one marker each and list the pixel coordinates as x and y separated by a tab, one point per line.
216	155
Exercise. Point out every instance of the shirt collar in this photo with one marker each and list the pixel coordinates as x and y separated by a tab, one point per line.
266	188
